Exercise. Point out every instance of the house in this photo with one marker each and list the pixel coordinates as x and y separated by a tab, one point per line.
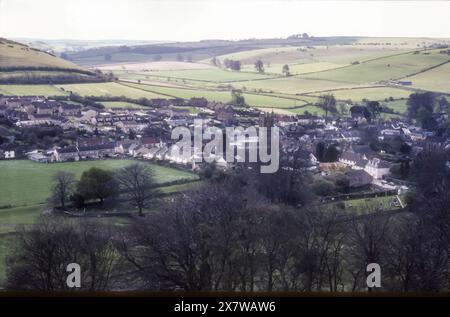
96	151
377	168
173	155
306	119
161	154
358	178
38	157
351	159
8	151
69	110
225	114
151	153
364	150
305	158
198	102
88	116
126	147
352	135
140	151
9	154
16	115
43	107
69	153
387	134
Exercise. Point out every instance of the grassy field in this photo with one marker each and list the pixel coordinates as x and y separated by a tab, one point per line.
292	111
31	90
19	55
107	89
213	75
374	93
155	66
386	68
291	85
397	105
365	205
223	96
296	69
338	54
437	79
25	183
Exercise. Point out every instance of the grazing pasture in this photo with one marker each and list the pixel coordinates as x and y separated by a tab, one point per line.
382	69
296	69
25	183
255	100
107	89
155	66
339	54
213	75
397	105
372	93
32	90
291	85
13	54
436	79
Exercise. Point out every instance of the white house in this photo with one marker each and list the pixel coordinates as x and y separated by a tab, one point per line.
377	168
10	154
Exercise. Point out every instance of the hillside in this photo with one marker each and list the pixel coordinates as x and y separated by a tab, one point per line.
14	54
21	64
189	51
352	69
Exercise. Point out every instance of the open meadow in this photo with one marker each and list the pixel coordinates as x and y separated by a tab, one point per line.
436	79
33	180
383	68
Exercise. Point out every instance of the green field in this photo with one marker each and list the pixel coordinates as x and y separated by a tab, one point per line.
296	69
31	90
25	183
212	75
365	205
291	85
338	54
374	93
397	105
107	89
437	79
19	55
386	68
222	96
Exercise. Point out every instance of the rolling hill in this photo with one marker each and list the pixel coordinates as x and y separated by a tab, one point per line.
14	54
21	64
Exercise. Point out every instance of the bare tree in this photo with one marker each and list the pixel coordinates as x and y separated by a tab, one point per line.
43	252
367	243
63	187
137	182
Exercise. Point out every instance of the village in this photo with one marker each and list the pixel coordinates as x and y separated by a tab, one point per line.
337	150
